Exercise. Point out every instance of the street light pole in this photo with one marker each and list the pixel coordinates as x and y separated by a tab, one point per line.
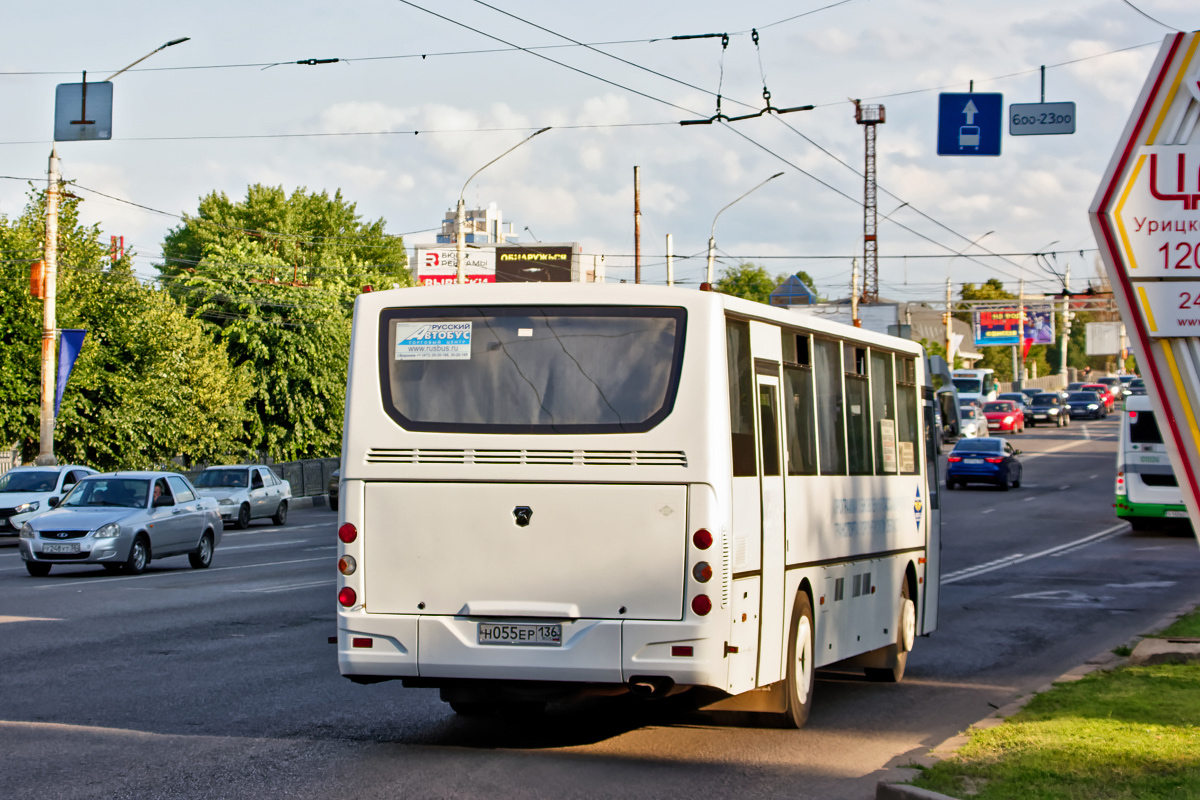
712	240
460	216
50	293
946	314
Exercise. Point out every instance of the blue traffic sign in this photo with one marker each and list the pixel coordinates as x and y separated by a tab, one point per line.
970	124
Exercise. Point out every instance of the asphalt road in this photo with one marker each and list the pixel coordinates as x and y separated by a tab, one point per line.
222	684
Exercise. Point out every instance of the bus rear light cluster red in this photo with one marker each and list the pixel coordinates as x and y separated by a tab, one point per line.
347	596
702	539
362	641
347	533
681	650
702	572
701	605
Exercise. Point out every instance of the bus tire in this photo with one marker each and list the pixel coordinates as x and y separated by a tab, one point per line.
801	667
906	633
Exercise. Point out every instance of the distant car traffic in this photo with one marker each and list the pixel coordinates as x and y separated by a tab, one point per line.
1019	398
991	461
1029	394
1075	386
245	492
1137	386
1047	408
28	491
972	423
333	489
1004	415
1086	404
1105	394
1116	386
121	520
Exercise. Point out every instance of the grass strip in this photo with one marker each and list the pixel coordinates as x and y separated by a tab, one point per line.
1187	626
1128	733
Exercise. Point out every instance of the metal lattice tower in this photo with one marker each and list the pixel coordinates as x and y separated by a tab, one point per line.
869	117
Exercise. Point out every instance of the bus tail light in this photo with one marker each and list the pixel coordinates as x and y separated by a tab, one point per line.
702	572
702	539
347	565
681	650
1121	482
362	641
347	533
347	596
701	605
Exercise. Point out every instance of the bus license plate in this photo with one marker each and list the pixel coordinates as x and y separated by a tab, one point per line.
1182	514
535	635
70	548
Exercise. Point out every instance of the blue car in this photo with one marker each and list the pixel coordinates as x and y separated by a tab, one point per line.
992	460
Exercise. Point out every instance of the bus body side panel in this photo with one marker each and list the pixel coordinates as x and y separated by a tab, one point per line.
743	634
1142	462
929	573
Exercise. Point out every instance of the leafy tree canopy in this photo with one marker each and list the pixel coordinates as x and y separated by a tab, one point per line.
752	282
274	277
149	384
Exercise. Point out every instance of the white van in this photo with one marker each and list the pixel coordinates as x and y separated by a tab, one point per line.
1146	491
975	384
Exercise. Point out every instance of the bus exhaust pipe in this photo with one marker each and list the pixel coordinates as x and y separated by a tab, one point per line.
656	686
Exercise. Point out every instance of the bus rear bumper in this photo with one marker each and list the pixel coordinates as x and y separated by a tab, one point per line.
592	651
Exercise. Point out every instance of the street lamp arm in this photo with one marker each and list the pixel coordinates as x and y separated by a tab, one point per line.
152	52
712	232
497	158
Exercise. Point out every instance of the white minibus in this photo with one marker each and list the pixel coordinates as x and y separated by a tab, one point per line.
556	489
1147	492
975	384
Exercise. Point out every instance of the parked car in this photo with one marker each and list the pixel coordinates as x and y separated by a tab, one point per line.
972	422
121	520
28	491
983	461
1137	386
245	492
1086	404
1110	401
1047	408
1004	415
333	489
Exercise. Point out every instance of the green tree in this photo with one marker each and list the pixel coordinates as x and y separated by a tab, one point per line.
275	276
149	384
752	282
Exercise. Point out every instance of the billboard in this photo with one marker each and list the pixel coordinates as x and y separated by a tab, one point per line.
541	263
1001	326
1104	338
440	265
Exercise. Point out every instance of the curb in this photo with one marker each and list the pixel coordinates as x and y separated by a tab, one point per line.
1103	660
311	501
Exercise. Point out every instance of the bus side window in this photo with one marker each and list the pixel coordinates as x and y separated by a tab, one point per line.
883	406
858	422
742	401
831	430
800	420
907	431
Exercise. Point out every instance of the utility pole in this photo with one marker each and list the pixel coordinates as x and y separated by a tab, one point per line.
946	321
1019	376
670	261
1066	333
637	224
854	295
49	316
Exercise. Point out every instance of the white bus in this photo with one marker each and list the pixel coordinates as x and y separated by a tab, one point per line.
551	489
975	384
1147	493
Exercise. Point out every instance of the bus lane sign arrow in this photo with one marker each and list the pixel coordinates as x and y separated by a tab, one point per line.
1146	217
969	124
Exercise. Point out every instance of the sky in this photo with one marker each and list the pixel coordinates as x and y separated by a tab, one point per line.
421	100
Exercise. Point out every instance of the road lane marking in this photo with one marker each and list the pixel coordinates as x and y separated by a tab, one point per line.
1142	585
256	546
30	619
1019	558
99	580
987	511
1027	499
1063	488
255	531
1066	446
290	587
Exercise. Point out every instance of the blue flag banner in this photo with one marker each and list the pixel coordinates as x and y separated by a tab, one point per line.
69	344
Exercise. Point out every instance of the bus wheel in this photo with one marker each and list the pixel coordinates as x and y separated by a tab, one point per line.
801	653
906	634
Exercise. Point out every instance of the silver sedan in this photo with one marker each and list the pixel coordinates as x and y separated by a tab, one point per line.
121	520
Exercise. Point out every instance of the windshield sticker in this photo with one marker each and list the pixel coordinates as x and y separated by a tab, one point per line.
433	341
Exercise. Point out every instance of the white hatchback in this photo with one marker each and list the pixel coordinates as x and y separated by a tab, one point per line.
28	491
245	492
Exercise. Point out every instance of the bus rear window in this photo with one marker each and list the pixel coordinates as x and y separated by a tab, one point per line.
1143	428
552	369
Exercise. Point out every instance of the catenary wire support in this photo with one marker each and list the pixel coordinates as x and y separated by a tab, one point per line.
767	107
